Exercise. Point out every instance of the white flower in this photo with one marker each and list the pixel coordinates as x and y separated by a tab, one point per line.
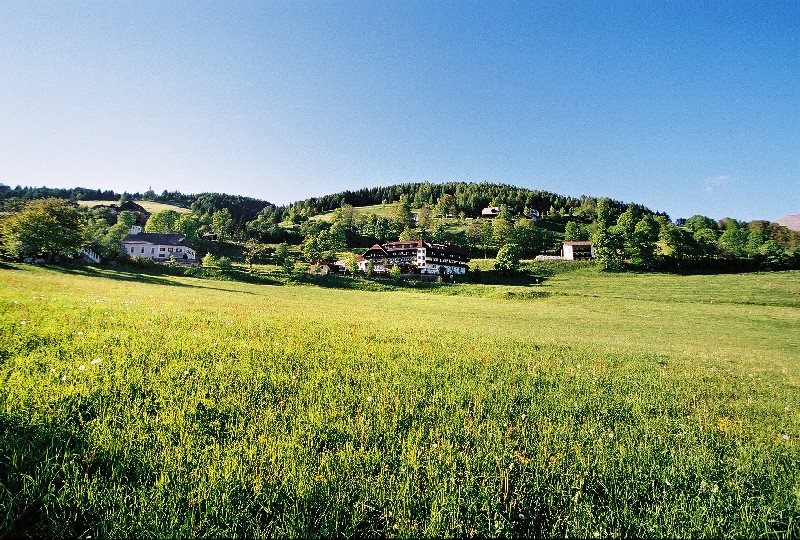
23	322
785	437
610	434
369	398
63	378
80	333
186	372
81	367
95	361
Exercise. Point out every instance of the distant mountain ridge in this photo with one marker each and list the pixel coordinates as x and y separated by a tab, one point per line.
790	221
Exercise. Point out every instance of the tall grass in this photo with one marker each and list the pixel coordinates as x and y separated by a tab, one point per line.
615	406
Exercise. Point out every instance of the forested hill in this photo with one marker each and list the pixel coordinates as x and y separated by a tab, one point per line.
242	209
469	198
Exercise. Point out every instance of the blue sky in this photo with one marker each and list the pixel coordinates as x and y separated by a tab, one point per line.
686	107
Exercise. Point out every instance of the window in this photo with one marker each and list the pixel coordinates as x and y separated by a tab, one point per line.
152	250
142	249
179	250
162	249
170	250
131	250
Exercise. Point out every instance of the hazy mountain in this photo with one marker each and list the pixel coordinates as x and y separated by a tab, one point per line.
790	221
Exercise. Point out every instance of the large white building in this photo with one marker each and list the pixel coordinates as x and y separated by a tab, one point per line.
416	256
157	246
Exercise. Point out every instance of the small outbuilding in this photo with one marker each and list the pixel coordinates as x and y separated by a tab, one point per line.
577	251
490	212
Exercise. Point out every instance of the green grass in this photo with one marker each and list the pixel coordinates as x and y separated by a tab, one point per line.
150	206
612	405
383	210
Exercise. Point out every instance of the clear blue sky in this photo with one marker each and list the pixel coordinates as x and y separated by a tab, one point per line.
687	107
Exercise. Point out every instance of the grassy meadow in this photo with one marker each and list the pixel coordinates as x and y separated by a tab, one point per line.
150	206
602	405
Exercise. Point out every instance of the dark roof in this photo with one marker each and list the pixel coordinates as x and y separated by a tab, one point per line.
156	238
133	207
447	248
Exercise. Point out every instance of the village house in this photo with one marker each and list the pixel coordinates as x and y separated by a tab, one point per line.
577	251
490	212
157	246
416	256
142	215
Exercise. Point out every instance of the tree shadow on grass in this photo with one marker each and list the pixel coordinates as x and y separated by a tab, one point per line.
459	288
154	277
5	266
35	464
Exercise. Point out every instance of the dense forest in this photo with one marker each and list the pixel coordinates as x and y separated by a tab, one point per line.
469	198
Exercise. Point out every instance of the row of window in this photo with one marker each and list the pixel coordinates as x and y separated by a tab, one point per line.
153	250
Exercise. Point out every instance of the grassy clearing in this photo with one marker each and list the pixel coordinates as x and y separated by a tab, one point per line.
383	210
150	206
615	405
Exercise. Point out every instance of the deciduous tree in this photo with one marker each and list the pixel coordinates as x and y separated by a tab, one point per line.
41	227
507	260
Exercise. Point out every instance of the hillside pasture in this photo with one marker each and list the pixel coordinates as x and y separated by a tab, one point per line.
150	206
609	405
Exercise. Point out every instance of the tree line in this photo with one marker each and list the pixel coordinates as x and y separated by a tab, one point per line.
629	236
633	240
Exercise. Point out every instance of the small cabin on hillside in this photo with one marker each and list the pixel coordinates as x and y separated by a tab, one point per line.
490	212
577	251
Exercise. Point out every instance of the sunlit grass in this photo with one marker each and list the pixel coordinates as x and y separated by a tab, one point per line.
614	405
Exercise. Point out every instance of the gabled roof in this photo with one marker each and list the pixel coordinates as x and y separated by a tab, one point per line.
133	207
449	248
376	247
156	238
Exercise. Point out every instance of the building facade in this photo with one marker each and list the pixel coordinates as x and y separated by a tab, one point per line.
417	257
156	246
577	251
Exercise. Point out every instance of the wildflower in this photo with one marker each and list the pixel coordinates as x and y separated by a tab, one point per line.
369	398
63	378
23	322
785	437
52	370
80	333
185	372
95	361
524	416
610	434
81	367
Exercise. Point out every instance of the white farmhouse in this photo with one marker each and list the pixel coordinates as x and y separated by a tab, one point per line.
157	246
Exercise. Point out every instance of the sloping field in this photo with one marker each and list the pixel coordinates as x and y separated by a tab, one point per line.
150	206
609	405
383	210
